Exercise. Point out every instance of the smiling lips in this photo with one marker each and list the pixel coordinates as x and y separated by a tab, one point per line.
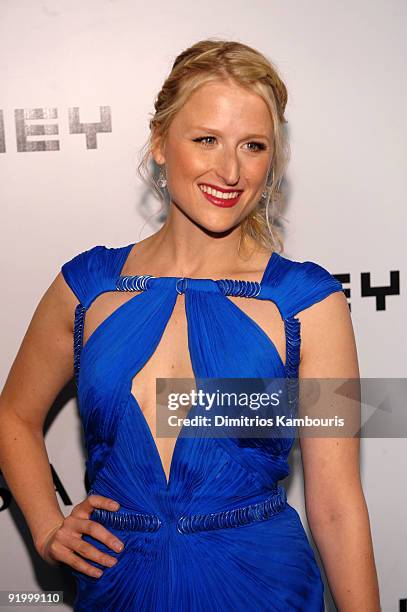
225	198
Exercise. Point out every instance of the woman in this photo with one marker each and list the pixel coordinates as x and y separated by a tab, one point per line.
203	522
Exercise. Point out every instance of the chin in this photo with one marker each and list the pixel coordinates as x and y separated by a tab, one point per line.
217	228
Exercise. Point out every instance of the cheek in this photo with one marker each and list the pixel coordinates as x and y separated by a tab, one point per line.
183	158
185	169
258	171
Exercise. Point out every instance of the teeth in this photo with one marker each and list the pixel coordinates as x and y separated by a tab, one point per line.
219	194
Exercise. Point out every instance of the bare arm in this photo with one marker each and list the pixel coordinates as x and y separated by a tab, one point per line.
43	365
335	504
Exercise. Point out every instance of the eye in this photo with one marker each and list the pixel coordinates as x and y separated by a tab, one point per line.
208	140
260	146
204	138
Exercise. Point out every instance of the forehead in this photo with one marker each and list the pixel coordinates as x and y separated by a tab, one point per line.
220	104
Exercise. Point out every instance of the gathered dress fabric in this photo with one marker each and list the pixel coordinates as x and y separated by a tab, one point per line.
220	534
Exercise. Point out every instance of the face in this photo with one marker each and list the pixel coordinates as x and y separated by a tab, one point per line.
217	155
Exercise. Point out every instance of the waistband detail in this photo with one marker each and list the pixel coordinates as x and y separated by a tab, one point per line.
244	515
132	521
236	517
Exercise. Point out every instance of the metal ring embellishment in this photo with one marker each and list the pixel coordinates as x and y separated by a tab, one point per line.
184	285
239	288
133	283
236	517
132	521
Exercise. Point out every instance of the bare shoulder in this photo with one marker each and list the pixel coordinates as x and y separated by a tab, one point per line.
60	296
328	346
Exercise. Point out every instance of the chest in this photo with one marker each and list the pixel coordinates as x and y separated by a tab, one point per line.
171	356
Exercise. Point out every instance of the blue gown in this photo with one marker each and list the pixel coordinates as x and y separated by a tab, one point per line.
220	535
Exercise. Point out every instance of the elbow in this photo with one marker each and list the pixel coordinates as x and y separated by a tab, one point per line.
11	424
328	511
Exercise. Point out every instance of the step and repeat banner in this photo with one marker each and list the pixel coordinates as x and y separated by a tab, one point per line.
78	83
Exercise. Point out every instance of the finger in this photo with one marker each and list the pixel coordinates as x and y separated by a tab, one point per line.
62	553
99	532
88	551
85	507
75	527
80	565
100	501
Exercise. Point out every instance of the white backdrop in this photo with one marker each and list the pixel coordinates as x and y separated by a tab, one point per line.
344	66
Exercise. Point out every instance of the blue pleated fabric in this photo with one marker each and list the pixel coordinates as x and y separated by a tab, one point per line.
220	534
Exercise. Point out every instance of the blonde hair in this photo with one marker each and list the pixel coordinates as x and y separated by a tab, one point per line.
213	59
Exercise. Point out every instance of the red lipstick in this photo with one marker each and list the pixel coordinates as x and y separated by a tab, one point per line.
221	202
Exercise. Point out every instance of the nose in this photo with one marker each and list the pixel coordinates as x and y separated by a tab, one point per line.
228	167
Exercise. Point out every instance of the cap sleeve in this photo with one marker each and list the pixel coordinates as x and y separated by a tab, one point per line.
81	274
307	284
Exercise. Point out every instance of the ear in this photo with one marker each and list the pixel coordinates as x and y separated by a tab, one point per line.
157	150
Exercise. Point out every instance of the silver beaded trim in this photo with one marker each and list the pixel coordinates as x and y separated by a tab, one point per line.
237	517
136	521
293	344
133	283
133	521
78	327
240	288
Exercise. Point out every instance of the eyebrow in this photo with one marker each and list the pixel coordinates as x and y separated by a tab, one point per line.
207	129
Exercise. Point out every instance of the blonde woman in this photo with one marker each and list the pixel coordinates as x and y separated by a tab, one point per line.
201	523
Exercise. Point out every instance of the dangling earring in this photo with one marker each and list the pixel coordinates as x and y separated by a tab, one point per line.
162	181
265	193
